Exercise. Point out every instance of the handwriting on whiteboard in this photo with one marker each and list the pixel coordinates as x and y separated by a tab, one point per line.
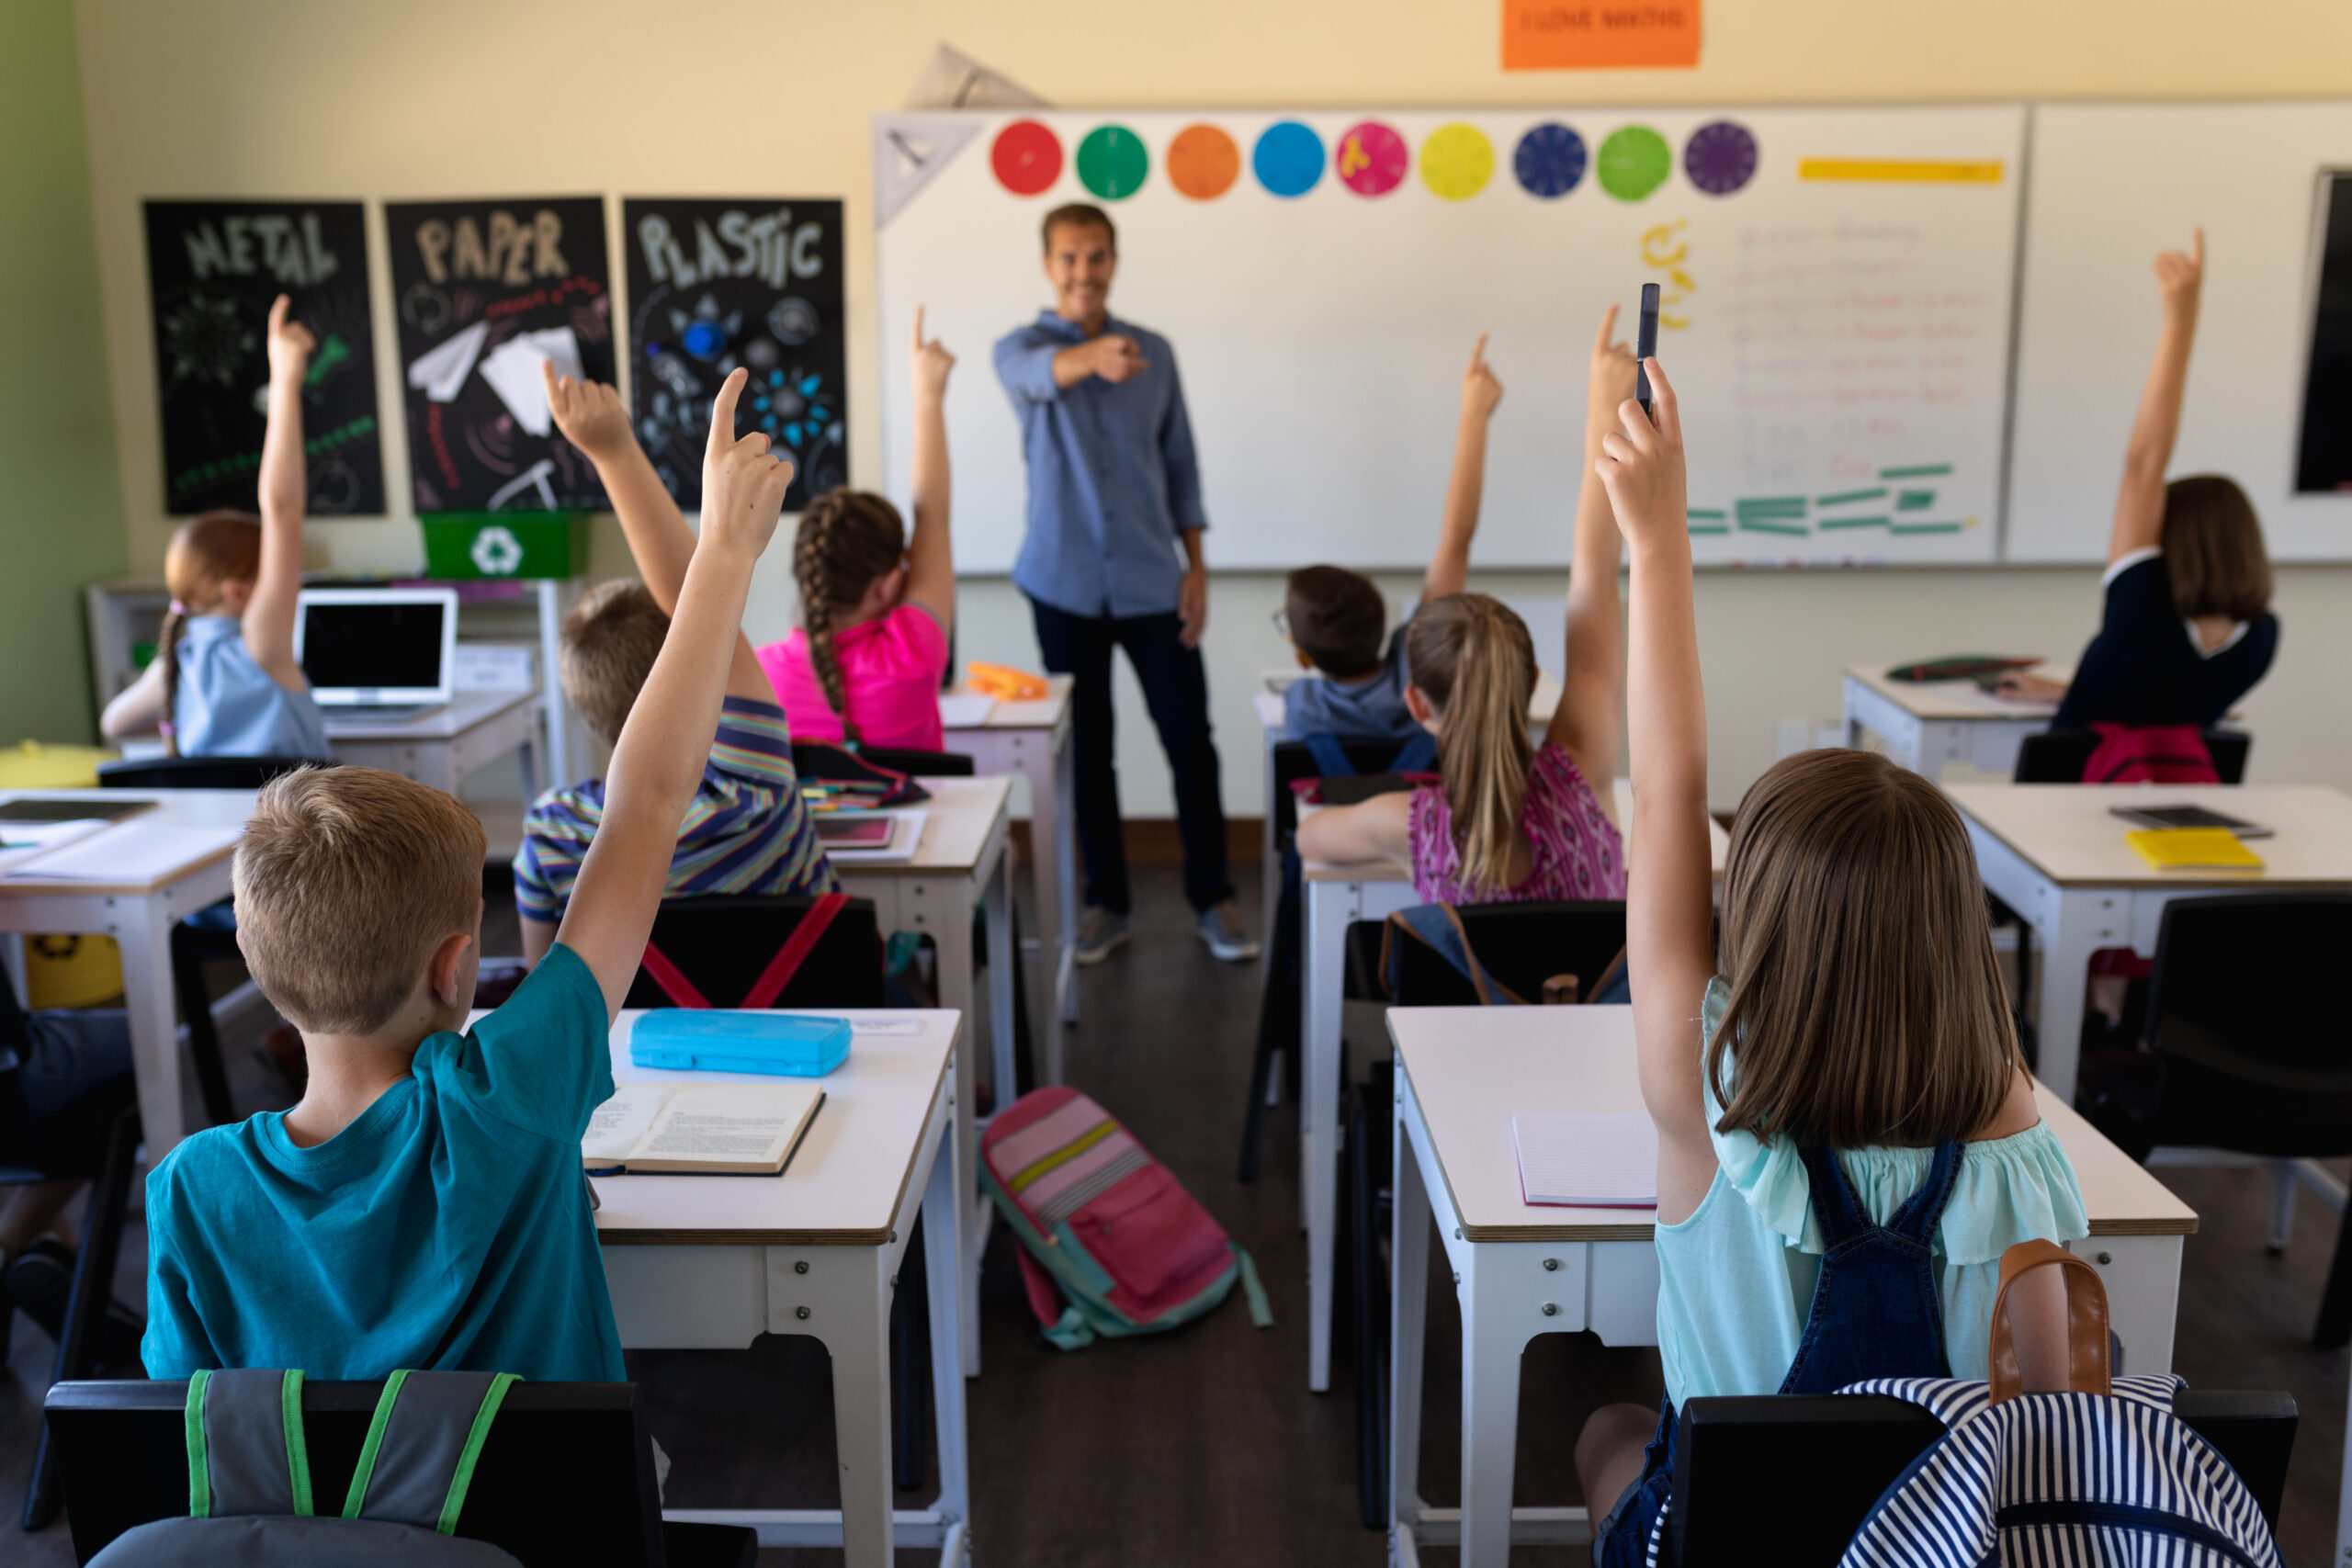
1664	249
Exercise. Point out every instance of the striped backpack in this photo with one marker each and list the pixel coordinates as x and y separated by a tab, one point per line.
2101	1476
1104	1226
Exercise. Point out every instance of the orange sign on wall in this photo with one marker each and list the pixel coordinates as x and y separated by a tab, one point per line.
1566	35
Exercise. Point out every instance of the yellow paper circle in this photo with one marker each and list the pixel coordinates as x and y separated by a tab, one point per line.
1457	161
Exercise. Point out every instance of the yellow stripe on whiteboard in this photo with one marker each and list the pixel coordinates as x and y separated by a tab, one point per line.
1931	171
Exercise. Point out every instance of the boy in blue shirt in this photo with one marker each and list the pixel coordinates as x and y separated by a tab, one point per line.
423	1206
1333	616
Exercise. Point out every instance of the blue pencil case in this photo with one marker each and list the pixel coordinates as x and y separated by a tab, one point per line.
781	1045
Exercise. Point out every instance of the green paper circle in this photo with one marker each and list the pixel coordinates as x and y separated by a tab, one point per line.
1112	162
1634	162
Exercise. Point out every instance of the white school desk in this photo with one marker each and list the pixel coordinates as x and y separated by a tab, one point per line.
441	747
1925	724
961	867
1520	1270
1336	897
1033	740
2055	854
138	915
711	1262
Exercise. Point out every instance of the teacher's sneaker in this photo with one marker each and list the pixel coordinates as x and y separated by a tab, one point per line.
1100	934
1224	936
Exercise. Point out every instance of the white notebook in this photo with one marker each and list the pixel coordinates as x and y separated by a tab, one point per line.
135	851
964	710
1599	1160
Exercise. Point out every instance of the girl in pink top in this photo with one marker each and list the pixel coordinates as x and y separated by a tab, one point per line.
1512	820
876	606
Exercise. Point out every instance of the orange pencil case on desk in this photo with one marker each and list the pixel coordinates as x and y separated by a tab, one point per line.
1003	683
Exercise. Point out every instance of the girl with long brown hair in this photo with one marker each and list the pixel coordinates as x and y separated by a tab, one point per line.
877	607
224	681
1512	819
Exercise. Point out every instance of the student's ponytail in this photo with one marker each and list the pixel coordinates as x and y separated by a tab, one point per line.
205	555
1472	657
847	538
167	654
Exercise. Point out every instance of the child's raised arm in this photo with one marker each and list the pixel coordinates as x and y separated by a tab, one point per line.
1466	488
268	625
1593	672
2139	500
592	418
658	763
1670	902
931	552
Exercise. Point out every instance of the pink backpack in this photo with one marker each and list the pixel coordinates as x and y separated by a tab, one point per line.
1104	1226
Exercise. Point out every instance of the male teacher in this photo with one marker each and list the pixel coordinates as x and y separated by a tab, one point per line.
1113	559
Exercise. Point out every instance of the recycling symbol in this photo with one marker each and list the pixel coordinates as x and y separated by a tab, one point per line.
497	552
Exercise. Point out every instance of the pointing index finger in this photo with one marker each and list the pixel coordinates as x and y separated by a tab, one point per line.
2197	245
1608	329
1669	419
918	326
1479	354
722	411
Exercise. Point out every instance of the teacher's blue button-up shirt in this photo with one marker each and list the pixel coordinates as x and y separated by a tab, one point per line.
1113	479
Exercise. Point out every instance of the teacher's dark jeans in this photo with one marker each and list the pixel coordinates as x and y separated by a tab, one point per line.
1176	689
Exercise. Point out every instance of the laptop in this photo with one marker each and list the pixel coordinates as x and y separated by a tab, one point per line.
378	655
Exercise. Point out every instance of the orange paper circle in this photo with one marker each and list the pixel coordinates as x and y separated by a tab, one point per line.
1202	161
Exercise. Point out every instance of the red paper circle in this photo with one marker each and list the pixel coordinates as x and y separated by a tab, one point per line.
1027	157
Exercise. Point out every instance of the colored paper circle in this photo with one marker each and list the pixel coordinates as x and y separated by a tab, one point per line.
1457	161
1371	159
1112	161
1288	159
1550	161
1027	157
1720	157
1203	163
1634	162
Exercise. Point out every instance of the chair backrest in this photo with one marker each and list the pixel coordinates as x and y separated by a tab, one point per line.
1739	1464
1520	946
2059	756
567	1475
1294	760
203	773
928	765
2240	986
723	944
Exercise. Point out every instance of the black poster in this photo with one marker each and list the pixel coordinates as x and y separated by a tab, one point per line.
2324	460
487	291
213	269
713	284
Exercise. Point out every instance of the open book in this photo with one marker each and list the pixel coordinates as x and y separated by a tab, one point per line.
729	1129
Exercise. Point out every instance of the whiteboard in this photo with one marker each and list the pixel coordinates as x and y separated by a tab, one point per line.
2112	186
1833	336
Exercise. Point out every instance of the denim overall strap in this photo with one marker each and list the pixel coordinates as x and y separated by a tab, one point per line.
1330	757
1875	1312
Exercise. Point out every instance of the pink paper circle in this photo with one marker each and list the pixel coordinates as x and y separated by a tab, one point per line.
1370	159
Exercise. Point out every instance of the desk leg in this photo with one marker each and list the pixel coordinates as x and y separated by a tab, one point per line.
2142	1274
1853	719
2084	921
1493	1336
1065	838
1051	856
143	930
1269	881
1328	907
996	904
1407	1326
850	1316
942	1275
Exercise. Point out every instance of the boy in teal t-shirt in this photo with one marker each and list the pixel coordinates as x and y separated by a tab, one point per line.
423	1206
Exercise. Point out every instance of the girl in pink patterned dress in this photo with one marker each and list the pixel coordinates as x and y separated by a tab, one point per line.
1512	822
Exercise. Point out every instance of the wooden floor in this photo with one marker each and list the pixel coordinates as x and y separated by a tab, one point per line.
1204	1446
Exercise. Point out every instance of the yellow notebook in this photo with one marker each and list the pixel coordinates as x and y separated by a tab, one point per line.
2193	849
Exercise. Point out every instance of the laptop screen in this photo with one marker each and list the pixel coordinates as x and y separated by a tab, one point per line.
384	645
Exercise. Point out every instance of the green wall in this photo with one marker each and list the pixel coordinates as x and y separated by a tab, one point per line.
61	505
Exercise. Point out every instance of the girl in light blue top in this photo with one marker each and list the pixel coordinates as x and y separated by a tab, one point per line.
1847	1138
224	681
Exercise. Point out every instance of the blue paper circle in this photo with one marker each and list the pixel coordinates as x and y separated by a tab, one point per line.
1288	159
1550	161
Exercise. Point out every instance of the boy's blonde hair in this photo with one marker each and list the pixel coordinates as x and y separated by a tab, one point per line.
610	641
346	879
1866	1006
1471	655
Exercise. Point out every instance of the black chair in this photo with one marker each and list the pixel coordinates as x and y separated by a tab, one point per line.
2245	1050
2059	756
812	758
1368	1180
1519	945
566	1478
195	942
1739	1462
723	942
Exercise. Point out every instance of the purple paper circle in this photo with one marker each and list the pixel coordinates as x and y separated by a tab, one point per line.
1720	157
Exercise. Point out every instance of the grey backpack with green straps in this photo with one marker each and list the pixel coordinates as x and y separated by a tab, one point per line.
249	1478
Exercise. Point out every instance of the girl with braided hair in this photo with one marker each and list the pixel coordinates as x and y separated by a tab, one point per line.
224	681
876	606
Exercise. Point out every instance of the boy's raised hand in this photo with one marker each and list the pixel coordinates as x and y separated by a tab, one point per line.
2180	276
932	362
1480	391
1641	465
742	481
290	343
590	413
1611	380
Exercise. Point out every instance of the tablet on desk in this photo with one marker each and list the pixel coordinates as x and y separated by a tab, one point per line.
2189	817
843	832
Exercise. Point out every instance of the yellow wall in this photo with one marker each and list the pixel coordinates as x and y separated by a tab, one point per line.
426	97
